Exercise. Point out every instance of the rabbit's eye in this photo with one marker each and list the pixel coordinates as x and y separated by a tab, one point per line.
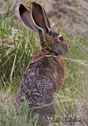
60	37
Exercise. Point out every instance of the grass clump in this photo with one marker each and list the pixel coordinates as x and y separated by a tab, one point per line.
10	116
17	46
16	49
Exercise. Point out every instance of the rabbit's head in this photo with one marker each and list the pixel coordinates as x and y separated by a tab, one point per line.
35	18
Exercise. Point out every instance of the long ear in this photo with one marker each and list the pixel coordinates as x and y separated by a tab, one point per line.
39	16
25	15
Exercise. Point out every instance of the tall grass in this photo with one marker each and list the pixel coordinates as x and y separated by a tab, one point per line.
11	116
17	46
16	49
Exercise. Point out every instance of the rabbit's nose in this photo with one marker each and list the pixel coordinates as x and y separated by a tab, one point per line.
59	49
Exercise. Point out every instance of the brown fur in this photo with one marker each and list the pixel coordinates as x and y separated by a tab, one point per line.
44	75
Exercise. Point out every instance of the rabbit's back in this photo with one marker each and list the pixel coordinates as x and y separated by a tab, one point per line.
45	74
40	82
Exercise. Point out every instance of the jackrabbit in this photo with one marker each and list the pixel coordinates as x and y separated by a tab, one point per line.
44	75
